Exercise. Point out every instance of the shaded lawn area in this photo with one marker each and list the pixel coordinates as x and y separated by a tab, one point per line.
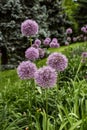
7	76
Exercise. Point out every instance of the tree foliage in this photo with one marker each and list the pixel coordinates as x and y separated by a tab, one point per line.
70	7
81	13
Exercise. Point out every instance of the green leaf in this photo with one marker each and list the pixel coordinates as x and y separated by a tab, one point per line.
76	125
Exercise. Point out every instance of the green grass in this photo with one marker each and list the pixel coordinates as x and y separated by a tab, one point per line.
7	75
63	48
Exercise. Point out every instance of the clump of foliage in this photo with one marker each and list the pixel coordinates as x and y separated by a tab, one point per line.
80	14
70	7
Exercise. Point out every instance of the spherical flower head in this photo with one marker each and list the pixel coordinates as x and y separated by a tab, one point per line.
54	45
46	42
26	70
57	61
48	38
41	52
35	45
69	31
66	43
74	39
69	39
32	53
29	28
83	29
84	55
55	40
46	77
38	42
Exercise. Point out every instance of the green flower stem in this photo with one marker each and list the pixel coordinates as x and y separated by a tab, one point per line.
57	82
30	39
29	99
57	87
31	87
57	96
46	99
79	67
34	85
29	103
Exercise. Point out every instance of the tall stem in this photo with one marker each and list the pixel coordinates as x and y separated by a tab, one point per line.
57	87
29	104
30	41
78	70
46	99
57	82
57	96
35	99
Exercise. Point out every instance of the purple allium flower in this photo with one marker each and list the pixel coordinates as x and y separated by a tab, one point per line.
48	38
86	26
32	53
38	42
55	40
26	70
84	55
66	43
74	39
46	77
29	27
69	31
85	31
57	61
82	29
54	45
35	45
46	42
69	39
41	52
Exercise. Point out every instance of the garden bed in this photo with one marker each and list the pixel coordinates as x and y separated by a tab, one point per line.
63	107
